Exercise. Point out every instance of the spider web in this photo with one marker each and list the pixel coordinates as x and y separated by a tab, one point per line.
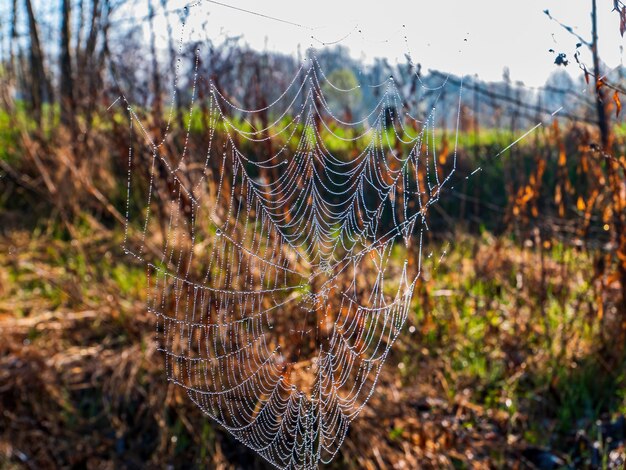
281	271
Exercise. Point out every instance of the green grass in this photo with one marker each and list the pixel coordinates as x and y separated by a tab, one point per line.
495	343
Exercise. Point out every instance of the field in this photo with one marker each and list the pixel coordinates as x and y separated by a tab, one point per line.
510	354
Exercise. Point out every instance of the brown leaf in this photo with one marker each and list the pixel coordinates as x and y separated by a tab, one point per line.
618	103
622	21
599	84
558	196
600	304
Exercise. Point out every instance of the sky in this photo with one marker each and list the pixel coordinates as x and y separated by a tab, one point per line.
464	37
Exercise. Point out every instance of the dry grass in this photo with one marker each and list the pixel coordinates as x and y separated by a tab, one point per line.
82	385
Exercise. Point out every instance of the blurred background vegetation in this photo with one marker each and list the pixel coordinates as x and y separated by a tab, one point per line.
513	355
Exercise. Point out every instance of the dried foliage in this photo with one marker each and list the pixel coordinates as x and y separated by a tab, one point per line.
513	355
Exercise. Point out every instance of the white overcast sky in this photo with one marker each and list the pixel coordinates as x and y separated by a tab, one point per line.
499	33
